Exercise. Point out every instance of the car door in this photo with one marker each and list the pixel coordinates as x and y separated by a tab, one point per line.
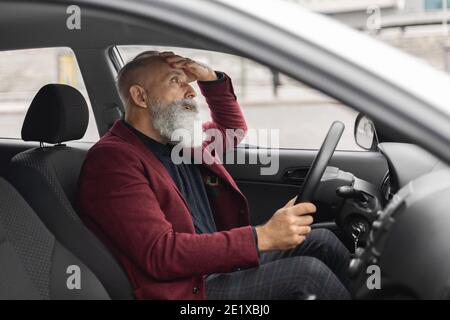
267	193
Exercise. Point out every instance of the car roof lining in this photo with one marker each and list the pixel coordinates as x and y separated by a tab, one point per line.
99	29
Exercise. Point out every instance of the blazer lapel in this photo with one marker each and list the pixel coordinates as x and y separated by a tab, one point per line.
119	129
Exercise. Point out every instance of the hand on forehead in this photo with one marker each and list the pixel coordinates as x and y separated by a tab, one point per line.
178	62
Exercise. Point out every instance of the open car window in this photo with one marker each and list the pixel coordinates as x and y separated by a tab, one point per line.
270	101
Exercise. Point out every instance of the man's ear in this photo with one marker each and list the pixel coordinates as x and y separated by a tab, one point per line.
138	95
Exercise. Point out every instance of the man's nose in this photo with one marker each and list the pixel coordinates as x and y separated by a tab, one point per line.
190	92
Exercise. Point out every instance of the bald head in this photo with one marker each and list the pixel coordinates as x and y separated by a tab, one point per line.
137	71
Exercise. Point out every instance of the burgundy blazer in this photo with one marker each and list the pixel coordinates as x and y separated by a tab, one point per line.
128	199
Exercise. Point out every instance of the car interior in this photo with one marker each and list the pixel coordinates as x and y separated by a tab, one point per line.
41	233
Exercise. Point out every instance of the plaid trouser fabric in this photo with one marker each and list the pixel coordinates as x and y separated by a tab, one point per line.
317	267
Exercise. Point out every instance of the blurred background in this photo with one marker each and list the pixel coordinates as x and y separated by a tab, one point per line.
270	100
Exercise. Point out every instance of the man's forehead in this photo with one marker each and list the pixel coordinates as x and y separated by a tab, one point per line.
176	72
169	72
161	64
162	70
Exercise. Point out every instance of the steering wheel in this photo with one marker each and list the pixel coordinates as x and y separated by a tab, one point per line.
320	162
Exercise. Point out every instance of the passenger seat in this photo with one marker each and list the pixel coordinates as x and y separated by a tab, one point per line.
47	178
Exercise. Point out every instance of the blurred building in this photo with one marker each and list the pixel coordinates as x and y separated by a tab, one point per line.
393	13
420	27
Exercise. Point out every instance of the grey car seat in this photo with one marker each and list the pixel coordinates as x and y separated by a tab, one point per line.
47	178
33	264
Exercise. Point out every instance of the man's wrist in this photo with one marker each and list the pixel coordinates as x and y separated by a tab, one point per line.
262	241
211	76
255	236
218	78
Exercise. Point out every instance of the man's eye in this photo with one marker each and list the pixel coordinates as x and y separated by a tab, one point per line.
174	80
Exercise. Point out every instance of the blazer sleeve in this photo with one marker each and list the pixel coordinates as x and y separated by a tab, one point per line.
116	195
226	112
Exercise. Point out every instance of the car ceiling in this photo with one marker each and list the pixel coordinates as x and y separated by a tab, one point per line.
99	29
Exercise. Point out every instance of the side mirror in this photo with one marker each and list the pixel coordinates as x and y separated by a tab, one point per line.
365	134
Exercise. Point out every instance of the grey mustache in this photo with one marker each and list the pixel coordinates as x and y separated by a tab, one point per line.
186	102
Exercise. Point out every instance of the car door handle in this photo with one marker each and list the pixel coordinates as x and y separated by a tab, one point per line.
295	175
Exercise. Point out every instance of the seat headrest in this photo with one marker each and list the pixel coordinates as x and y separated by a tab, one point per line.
58	113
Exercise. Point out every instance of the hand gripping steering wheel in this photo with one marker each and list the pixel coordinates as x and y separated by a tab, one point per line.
320	163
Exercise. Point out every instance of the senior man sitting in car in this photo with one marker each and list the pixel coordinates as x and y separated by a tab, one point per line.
182	230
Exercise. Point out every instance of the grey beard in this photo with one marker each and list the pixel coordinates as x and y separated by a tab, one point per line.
167	118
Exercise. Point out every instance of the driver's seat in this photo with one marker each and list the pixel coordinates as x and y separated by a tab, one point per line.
47	178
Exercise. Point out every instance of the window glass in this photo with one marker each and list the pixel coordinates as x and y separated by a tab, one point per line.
24	72
435	4
271	101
